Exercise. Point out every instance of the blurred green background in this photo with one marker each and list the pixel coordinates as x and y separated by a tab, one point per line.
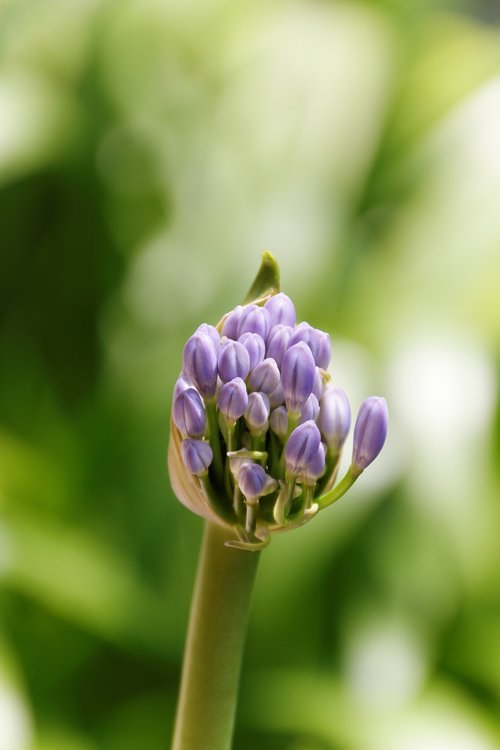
149	151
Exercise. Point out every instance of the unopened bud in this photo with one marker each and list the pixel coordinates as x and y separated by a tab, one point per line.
370	432
188	412
233	399
200	363
197	456
297	376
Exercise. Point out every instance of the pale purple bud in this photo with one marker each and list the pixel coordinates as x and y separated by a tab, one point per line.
316	466
233	399
278	422
181	384
276	398
318	342
334	418
310	410
257	412
234	361
301	447
231	323
255	346
200	363
254	319
212	333
277	342
197	455
281	310
370	432
252	480
319	385
188	413
265	377
297	376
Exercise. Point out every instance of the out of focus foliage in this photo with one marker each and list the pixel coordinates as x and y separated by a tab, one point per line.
149	151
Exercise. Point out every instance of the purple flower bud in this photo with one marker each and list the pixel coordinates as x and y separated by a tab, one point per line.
231	323
319	385
257	412
278	422
370	432
276	398
197	455
316	466
188	412
318	342
181	384
277	342
233	399
302	447
212	333
310	410
334	418
297	376
281	310
265	377
200	363
254	319
252	480
255	346
234	361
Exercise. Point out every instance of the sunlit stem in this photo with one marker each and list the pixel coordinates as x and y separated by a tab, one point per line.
230	442
238	503
284	501
214	646
342	487
252	505
293	421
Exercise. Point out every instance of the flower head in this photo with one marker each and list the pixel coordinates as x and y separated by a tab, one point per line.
257	427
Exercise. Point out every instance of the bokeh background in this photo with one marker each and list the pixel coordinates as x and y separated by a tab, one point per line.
149	151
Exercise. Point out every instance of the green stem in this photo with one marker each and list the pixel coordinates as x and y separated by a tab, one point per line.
339	490
215	641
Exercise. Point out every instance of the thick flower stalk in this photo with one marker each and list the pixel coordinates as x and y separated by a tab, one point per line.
257	432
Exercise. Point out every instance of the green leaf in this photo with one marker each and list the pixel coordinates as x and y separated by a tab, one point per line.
267	281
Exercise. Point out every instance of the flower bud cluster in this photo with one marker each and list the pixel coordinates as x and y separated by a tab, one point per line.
260	423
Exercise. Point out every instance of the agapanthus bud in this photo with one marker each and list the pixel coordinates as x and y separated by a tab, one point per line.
255	346
310	410
301	447
278	421
234	361
181	384
277	342
281	310
254	319
370	432
265	377
276	398
318	342
319	385
200	363
231	323
298	371
197	456
252	479
334	418
257	412
316	466
188	412
233	399
212	333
